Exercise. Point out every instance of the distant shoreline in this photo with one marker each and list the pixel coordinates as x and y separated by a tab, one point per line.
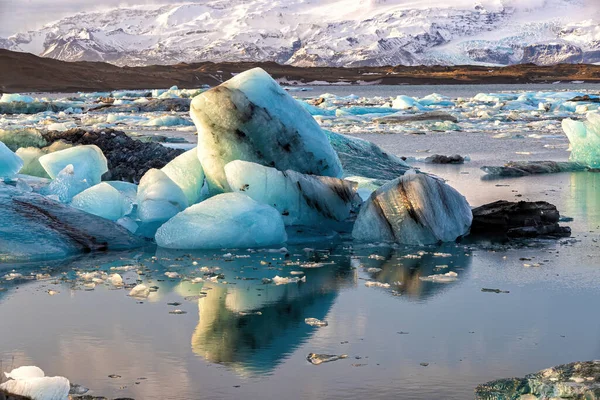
24	72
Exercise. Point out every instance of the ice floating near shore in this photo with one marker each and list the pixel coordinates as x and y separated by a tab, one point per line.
440	278
32	383
187	173
251	118
88	162
229	220
585	139
66	185
300	199
104	201
159	198
10	163
414	209
15	97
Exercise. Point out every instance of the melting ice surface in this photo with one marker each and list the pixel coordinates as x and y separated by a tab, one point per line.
242	329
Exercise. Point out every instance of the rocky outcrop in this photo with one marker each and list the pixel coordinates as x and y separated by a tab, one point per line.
575	381
518	220
128	159
441	159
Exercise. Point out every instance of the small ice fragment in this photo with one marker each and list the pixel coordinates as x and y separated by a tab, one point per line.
178	312
115	280
377	284
317	359
25	372
278	280
52	292
373	270
31	382
376	257
172	275
315	322
140	291
441	278
296	272
197	280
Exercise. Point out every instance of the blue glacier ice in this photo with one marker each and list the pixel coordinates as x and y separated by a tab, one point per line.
585	139
158	197
88	162
414	209
403	102
66	185
251	118
229	220
187	173
301	199
104	201
10	163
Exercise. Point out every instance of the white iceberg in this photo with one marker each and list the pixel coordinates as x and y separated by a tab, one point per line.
158	197
251	118
414	209
10	163
15	97
187	173
88	162
104	201
31	382
585	139
300	199
229	220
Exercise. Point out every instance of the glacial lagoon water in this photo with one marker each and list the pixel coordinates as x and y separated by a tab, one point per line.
242	338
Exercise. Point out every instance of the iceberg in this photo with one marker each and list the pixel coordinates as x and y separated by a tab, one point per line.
35	227
104	201
187	173
88	162
251	118
406	103
10	163
39	388
229	220
31	158
15	97
301	199
415	209
585	140
66	185
158	197
363	158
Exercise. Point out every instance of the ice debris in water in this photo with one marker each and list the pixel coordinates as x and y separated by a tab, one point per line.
115	279
377	284
315	322
415	209
441	278
187	173
159	198
229	220
301	199
104	201
88	163
585	139
140	291
10	163
317	359
250	117
32	383
278	280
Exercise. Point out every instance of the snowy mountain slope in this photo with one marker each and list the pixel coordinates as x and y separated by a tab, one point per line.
327	33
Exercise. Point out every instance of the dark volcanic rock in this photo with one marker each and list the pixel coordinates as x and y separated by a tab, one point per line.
575	381
128	159
515	169
407	118
153	105
586	98
518	220
441	159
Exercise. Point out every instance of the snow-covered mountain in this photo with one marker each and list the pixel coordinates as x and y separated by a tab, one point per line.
327	33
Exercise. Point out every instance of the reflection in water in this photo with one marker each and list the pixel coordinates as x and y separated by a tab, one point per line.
230	332
406	267
584	200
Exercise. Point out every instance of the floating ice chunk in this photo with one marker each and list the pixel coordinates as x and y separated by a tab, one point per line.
115	280
377	284
104	201
66	185
317	359
169	120
251	118
441	278
31	382
14	97
414	209
585	139
363	158
278	280
61	126
301	199
158	197
25	372
88	162
315	322
187	173
10	163
230	220
140	291
405	103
